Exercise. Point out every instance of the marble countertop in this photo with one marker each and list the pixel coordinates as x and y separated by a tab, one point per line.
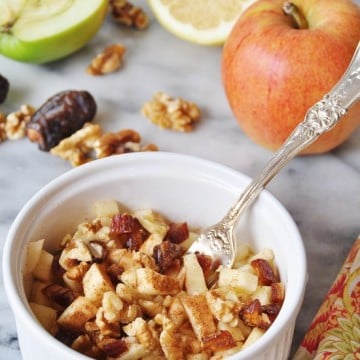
320	192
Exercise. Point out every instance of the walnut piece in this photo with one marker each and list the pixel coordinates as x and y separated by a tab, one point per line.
125	13
77	147
121	142
90	143
171	113
108	61
14	126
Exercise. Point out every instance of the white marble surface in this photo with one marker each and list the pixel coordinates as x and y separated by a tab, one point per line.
320	192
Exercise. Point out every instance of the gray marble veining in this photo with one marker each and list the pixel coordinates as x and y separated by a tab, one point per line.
320	192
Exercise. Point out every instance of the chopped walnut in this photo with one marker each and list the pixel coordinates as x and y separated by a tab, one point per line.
223	306
121	142
89	143
125	13
170	113
112	305
144	332
77	147
106	327
16	122
77	272
108	61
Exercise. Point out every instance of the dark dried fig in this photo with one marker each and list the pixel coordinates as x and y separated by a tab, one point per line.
59	117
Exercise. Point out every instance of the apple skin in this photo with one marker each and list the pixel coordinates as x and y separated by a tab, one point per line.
56	46
273	73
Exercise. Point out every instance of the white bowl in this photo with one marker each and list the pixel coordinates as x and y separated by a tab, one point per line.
182	187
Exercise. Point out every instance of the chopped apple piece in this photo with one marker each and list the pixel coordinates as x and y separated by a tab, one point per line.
235	331
77	314
33	253
263	294
37	295
43	269
46	316
95	283
188	242
256	333
147	247
150	282
106	208
194	276
198	312
237	278
153	222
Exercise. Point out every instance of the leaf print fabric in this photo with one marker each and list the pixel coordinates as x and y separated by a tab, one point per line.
334	334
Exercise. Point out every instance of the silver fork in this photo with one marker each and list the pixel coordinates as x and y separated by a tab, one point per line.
218	240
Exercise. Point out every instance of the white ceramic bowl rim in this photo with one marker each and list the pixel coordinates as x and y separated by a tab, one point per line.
21	308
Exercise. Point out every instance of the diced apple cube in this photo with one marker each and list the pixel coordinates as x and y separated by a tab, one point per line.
152	222
33	253
147	247
263	294
189	241
43	269
242	280
37	296
46	316
106	208
74	285
28	280
77	314
194	276
95	283
235	331
199	315
150	282
256	333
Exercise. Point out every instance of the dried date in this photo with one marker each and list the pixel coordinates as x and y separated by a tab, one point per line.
130	229
265	272
59	117
166	253
178	233
4	88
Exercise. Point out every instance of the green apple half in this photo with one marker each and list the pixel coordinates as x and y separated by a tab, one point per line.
41	31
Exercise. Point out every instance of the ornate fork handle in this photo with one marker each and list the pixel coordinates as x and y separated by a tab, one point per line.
319	119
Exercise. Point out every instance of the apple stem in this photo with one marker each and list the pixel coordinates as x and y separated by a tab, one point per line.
296	14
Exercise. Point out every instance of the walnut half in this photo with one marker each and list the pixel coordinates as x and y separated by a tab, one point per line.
108	61
121	142
125	13
171	113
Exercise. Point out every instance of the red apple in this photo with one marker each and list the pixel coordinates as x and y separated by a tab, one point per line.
275	66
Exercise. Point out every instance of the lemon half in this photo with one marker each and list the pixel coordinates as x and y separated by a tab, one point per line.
206	22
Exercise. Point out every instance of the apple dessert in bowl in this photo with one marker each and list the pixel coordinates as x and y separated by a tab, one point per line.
95	265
